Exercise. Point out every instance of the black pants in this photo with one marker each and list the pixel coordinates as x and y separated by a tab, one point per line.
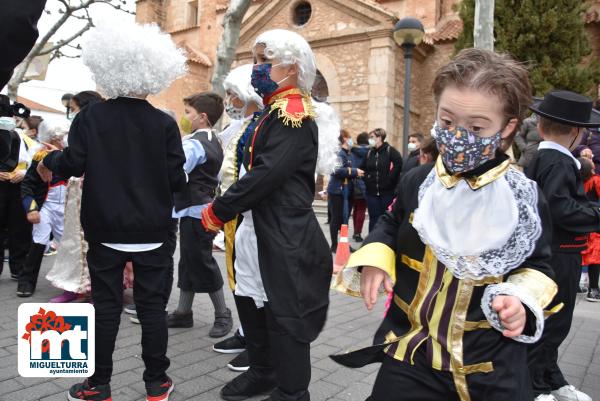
272	350
31	268
543	355
153	277
198	269
13	219
594	275
337	217
377	206
401	381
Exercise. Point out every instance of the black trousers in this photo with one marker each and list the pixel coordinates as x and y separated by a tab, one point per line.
543	355
153	277
14	220
273	351
401	381
336	209
198	269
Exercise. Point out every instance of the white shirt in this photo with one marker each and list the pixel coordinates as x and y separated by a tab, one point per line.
561	149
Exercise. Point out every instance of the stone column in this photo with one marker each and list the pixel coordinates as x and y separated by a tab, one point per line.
381	80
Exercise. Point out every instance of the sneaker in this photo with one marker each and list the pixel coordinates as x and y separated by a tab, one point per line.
593	295
24	289
130	309
222	326
14	276
180	320
135	319
232	345
358	238
240	363
247	385
83	391
545	397
160	391
582	290
51	251
570	393
65	297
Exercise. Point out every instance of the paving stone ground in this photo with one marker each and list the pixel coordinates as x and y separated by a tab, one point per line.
199	372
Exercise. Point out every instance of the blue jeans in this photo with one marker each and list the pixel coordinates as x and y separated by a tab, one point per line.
377	206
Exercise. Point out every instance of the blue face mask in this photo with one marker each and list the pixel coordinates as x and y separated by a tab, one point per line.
261	80
350	142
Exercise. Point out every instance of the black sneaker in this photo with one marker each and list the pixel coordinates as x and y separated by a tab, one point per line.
24	289
83	391
222	326
159	391
593	295
14	276
240	363
247	385
358	238
180	320
232	345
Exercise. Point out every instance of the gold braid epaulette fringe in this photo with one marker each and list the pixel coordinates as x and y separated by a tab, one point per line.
39	155
291	117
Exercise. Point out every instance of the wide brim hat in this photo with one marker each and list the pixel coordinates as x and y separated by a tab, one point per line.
567	108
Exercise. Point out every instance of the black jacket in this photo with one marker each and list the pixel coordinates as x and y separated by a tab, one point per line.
132	158
573	215
382	169
294	258
34	190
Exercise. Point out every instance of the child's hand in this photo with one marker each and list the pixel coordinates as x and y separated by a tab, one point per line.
33	217
17	176
44	172
370	281
512	314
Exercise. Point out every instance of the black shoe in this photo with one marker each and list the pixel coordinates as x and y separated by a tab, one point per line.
247	385
14	276
333	249
240	363
358	238
180	320
25	289
593	295
83	391
159	391
278	395
232	345
222	326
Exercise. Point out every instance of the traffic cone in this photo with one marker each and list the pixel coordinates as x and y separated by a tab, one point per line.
342	254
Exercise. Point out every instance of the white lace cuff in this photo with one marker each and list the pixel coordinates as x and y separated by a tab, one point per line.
527	300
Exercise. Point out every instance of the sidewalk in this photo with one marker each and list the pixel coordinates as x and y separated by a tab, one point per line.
199	373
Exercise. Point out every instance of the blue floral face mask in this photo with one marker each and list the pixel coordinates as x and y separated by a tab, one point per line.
462	150
261	80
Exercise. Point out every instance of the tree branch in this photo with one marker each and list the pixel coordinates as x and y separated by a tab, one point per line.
64	42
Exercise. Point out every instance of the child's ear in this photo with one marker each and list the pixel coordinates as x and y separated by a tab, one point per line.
510	129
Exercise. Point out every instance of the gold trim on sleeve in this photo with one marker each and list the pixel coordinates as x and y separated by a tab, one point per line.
229	230
412	263
536	283
375	254
472	326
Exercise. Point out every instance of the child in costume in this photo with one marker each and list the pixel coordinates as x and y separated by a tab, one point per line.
132	158
198	269
44	204
282	262
591	256
463	251
562	115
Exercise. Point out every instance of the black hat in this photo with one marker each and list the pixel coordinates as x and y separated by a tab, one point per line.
567	108
10	144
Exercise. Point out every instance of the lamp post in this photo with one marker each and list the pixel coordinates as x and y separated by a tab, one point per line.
408	33
65	99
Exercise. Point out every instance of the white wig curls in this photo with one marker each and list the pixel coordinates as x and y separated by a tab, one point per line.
290	48
238	82
131	59
48	132
329	126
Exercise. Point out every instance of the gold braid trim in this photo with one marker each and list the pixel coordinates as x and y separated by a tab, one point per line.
39	155
294	118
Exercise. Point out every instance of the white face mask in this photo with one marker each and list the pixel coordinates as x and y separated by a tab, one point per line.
412	147
7	123
234	113
372	142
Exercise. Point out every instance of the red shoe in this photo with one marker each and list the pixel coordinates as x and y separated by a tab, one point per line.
160	391
83	391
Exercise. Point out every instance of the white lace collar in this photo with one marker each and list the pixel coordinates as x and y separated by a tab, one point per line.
481	232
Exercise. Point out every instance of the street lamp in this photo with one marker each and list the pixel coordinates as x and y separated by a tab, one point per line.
408	33
65	99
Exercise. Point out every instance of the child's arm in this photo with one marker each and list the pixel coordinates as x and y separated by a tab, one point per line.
557	184
194	154
526	290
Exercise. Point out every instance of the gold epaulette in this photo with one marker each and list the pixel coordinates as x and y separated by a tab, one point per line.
293	107
39	155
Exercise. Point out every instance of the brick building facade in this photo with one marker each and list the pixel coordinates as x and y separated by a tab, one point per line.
361	69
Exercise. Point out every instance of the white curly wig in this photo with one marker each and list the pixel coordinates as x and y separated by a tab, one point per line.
131	59
238	82
328	123
52	131
290	48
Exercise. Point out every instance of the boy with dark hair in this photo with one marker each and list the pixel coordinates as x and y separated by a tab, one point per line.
415	140
562	117
198	270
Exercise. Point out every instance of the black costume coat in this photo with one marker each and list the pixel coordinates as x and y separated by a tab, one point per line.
293	254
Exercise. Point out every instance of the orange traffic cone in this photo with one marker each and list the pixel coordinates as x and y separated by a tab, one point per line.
342	253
